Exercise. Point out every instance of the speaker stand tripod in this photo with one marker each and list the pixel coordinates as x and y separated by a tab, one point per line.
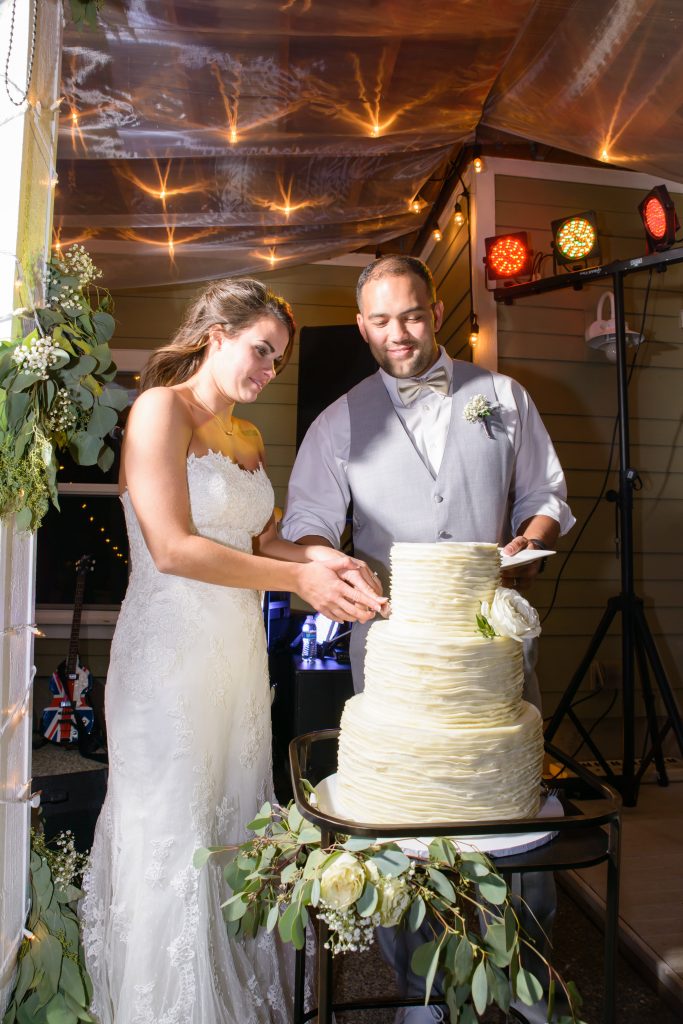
637	644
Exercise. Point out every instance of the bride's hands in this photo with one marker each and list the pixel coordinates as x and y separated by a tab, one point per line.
353	570
323	584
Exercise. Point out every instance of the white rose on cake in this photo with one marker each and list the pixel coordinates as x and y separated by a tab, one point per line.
511	615
342	883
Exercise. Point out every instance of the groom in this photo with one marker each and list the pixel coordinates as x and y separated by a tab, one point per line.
417	469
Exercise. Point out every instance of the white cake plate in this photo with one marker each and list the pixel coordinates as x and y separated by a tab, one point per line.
523	557
499	845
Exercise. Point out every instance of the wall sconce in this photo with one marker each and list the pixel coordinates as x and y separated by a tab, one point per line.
602	333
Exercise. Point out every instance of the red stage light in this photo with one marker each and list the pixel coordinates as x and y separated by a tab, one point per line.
654	217
507	256
658	214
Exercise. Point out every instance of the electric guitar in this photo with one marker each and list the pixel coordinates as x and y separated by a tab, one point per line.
69	719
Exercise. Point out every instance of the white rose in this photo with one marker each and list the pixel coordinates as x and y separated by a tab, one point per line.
511	615
342	883
393	901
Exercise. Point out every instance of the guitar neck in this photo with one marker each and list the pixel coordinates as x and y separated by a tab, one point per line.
72	657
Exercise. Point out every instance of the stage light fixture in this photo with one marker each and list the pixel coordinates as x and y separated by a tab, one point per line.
508	256
575	239
660	221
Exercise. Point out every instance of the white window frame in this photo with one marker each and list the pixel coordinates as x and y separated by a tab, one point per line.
96	623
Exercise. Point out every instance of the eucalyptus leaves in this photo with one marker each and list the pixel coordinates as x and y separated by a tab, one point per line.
52	985
282	874
55	389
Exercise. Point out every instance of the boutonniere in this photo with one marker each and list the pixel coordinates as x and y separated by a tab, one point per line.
479	409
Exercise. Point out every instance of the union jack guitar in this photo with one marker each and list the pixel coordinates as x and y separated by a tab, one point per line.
69	719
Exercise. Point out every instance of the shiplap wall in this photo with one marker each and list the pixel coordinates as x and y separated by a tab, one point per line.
319	294
449	263
541	344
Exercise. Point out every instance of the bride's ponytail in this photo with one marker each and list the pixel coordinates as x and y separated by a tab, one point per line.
233	303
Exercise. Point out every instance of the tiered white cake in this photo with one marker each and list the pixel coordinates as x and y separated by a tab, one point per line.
441	732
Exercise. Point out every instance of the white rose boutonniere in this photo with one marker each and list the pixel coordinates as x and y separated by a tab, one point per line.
342	882
478	410
510	615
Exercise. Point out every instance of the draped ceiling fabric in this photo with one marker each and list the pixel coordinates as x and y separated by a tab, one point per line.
201	138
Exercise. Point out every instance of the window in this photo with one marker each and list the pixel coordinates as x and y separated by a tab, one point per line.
90	522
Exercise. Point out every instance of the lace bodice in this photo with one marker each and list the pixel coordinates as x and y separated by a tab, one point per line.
228	504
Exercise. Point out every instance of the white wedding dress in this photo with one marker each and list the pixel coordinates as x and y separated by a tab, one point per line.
188	720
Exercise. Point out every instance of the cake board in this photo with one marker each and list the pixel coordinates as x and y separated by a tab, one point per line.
498	845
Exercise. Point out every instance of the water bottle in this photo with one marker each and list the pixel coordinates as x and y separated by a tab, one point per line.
309	637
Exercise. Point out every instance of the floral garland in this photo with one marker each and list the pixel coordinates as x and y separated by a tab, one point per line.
52	983
55	390
282	874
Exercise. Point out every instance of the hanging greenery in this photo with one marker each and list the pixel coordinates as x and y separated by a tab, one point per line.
55	389
281	876
84	12
52	985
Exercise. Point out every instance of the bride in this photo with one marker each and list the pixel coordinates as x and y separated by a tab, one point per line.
187	695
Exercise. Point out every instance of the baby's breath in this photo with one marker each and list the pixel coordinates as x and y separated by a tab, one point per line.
37	356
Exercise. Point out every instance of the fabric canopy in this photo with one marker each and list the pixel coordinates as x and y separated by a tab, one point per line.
200	138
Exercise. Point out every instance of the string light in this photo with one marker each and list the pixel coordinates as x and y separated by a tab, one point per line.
375	130
604	155
458	215
436	235
416	205
233	136
478	164
474	331
14	630
20	708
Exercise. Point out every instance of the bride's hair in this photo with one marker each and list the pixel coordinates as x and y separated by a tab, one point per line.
234	304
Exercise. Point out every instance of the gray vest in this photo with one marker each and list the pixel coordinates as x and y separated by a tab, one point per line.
397	498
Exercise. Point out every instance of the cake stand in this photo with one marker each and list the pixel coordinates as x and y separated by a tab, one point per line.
579	837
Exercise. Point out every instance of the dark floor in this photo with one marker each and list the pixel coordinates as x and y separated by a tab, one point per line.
578	957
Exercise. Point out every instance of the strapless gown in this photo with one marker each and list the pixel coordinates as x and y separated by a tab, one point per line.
188	720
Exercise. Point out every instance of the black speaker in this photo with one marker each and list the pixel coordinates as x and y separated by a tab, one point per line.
321	688
331	360
72	801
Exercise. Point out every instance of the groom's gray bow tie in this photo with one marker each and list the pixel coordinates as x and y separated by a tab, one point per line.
436	381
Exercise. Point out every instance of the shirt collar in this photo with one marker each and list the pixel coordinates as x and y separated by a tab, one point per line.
391	383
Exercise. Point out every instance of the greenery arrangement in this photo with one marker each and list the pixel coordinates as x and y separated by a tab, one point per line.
55	390
281	875
52	985
84	12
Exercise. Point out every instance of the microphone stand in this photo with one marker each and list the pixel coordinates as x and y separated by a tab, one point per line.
637	643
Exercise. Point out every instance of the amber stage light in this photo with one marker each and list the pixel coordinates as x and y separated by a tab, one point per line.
575	239
658	214
508	256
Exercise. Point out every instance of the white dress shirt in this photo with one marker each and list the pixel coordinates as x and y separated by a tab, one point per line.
318	494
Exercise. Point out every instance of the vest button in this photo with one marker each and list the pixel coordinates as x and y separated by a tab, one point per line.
444	535
438	497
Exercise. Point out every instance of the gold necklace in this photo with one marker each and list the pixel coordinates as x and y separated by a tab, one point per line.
218	420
